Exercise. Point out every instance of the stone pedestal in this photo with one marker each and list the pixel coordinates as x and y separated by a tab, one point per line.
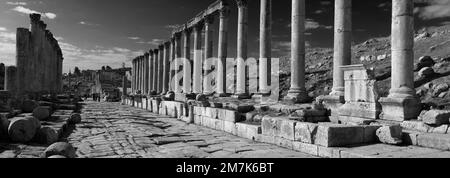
361	96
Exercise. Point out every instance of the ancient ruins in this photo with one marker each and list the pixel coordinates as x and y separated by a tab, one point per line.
168	82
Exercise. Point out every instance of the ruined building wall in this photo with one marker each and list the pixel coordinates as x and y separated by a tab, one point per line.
39	59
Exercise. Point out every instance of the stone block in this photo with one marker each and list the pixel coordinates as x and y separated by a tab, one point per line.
436	141
390	134
370	133
306	148
219	124
416	126
287	129
305	132
198	110
197	120
240	108
253	131
333	135
325	152
285	143
410	137
400	109
230	127
436	117
229	115
241	130
440	130
211	112
271	126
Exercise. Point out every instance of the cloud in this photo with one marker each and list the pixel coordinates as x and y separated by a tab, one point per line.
17	3
155	42
88	23
134	38
3	29
25	10
434	9
7	47
310	24
75	56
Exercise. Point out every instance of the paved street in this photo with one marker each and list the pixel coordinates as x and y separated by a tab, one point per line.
111	130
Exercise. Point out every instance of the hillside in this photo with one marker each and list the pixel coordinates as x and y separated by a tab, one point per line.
433	41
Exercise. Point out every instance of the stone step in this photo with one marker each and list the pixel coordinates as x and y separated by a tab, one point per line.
427	140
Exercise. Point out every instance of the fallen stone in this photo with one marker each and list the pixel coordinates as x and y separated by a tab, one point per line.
201	97
57	156
74	119
440	130
4	124
438	89
22	130
335	135
425	61
29	105
436	141
436	117
47	135
61	149
390	134
42	112
426	72
416	126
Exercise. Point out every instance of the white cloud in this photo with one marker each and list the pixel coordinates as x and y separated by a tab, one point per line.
88	23
310	24
153	42
25	10
134	38
17	3
3	29
434	9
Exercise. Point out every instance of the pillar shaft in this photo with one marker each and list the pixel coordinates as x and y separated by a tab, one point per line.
171	63
241	88
265	46
161	69
402	83
146	75
133	77
208	52
150	72
11	79
198	61
155	70
178	56
166	68
342	43
187	78
297	92
222	52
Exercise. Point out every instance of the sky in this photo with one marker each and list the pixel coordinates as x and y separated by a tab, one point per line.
97	33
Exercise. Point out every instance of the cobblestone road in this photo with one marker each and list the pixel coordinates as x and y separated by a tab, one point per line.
111	130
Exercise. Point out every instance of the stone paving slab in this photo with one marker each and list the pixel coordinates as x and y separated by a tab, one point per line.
111	130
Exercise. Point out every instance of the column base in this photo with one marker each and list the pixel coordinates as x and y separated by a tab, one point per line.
297	97
222	95
332	103
400	108
241	96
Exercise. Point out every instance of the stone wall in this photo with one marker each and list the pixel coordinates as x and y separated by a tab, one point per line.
39	60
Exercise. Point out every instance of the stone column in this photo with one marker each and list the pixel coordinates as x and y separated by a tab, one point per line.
23	59
161	69
222	53
146	70
11	79
171	60
208	46
124	85
265	46
150	72
133	75
402	102
241	77
155	71
198	61
297	92
187	78
342	43
177	38
141	75
166	68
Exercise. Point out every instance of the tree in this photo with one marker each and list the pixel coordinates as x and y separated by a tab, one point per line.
77	72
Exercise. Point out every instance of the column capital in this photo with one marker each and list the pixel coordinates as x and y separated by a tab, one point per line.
150	52
224	12
187	31
208	19
35	17
167	43
199	26
161	47
242	3
146	55
176	36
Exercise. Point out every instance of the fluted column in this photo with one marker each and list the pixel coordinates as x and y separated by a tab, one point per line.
198	61
160	69
265	46
241	87
138	60
166	67
141	60
223	52
342	43
208	46
297	92
133	85
155	70
187	78
402	102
